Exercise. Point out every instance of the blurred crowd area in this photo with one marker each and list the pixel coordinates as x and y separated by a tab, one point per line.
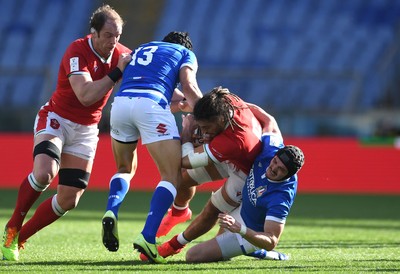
321	67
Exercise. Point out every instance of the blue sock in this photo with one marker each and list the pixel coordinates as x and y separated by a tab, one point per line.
119	186
162	199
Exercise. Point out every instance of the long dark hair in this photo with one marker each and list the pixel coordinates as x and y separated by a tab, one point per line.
217	103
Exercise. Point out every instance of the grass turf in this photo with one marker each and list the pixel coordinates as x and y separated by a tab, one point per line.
324	233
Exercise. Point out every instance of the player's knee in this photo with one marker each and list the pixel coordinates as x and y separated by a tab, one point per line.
48	148
45	170
191	256
77	179
196	254
74	177
43	177
68	201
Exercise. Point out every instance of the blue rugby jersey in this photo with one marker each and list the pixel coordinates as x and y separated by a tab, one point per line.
264	199
155	66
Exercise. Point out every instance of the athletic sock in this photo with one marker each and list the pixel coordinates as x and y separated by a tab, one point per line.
29	191
178	210
181	239
174	242
47	212
119	187
162	199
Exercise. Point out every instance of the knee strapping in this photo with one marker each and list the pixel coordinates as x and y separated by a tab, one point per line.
74	177
219	202
48	148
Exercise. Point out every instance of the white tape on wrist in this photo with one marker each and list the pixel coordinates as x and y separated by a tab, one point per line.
187	148
243	230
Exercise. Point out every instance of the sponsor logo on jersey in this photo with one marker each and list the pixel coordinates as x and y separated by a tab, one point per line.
74	64
161	128
252	192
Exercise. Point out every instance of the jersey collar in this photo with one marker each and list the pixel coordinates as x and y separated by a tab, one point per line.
103	60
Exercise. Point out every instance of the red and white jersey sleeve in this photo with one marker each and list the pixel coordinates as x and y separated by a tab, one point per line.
238	146
81	58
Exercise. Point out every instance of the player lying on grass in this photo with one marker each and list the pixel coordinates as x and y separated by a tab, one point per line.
254	228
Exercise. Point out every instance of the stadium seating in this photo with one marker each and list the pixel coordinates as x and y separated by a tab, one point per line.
307	55
34	35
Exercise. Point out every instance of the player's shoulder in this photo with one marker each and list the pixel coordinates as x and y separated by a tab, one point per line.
82	41
79	45
226	143
121	48
272	139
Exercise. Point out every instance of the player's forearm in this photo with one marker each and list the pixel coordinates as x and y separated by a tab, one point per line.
191	91
93	91
177	97
267	121
261	239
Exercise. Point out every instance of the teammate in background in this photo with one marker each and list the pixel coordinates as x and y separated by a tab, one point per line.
66	128
231	130
142	110
254	228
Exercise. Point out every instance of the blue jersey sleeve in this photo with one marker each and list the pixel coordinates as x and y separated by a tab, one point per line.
279	199
155	66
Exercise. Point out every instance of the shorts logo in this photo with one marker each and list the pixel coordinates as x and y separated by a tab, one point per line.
161	128
115	131
54	124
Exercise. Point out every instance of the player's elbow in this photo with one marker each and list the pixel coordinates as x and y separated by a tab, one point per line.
86	101
272	244
269	243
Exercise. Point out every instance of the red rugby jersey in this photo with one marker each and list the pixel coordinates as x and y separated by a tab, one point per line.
80	57
238	146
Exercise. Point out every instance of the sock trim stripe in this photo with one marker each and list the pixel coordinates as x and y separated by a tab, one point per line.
34	184
56	207
169	186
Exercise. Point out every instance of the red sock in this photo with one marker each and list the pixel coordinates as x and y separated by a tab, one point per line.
44	215
175	244
25	199
178	212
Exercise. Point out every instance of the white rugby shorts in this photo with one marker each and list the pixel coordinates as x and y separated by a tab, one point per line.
78	140
233	244
233	185
133	118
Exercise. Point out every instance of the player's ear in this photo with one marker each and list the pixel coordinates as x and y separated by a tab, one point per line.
93	31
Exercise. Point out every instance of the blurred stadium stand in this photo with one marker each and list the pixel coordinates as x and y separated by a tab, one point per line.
320	66
298	59
34	36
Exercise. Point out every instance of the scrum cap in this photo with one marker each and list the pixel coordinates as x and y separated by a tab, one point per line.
292	157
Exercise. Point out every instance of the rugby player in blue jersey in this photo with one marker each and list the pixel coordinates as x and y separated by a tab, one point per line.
254	228
142	109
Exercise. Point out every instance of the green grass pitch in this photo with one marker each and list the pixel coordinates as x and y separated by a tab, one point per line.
323	234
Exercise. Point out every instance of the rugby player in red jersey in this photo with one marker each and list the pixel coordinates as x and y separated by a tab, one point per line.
66	128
